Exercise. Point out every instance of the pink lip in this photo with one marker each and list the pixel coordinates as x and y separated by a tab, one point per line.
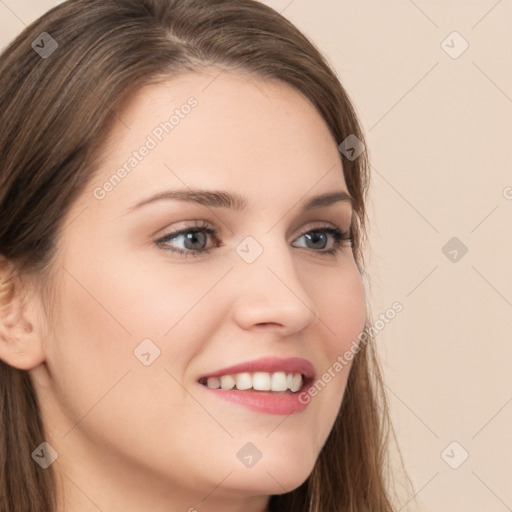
269	402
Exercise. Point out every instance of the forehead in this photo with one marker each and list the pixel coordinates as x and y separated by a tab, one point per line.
219	129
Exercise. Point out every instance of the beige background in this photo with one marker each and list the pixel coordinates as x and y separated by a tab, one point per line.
439	143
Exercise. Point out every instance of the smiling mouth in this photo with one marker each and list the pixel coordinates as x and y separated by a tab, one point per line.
278	382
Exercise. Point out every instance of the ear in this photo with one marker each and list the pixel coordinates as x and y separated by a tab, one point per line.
20	344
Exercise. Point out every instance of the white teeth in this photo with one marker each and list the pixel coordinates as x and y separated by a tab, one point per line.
243	381
260	381
296	382
279	382
213	382
227	382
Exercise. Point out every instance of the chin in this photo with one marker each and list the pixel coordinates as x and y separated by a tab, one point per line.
279	473
266	482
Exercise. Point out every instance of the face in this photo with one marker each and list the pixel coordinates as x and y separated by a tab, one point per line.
156	298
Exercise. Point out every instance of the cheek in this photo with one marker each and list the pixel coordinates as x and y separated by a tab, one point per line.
99	381
110	307
91	346
139	297
341	306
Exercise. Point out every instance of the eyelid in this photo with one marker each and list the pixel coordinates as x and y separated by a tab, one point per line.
318	224
185	226
205	225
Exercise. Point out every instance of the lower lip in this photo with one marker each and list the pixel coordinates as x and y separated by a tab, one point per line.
269	402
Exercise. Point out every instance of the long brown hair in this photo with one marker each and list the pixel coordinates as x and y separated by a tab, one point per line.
58	101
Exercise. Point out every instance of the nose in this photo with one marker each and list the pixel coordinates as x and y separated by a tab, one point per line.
271	294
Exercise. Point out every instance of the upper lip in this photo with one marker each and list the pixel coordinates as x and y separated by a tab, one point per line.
270	365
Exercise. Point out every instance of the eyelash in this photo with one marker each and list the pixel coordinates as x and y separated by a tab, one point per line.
339	238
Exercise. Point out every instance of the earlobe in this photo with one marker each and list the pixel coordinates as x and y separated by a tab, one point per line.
20	344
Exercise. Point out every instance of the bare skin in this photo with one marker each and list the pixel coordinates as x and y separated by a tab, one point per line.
133	437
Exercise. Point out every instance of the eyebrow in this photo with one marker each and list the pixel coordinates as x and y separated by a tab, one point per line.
234	201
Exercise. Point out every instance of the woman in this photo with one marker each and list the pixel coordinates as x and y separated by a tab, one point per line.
184	324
